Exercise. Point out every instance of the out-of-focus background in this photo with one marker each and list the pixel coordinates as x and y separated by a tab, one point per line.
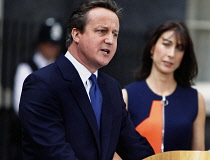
20	21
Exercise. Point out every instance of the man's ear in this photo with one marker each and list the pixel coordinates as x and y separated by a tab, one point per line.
75	33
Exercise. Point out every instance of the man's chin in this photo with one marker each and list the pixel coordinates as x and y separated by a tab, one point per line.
103	64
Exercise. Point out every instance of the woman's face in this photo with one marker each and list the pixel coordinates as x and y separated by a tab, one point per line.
167	53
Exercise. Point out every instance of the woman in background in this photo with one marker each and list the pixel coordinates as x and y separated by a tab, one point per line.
163	106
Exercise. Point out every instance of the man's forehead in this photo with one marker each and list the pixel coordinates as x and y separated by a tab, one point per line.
99	12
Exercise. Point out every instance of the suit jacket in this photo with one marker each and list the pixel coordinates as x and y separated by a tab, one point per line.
58	121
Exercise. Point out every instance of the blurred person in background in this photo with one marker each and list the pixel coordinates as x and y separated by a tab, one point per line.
48	48
163	106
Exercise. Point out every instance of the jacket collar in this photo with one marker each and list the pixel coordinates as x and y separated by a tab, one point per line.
70	74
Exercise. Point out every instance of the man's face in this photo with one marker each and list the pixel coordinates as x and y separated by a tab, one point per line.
98	44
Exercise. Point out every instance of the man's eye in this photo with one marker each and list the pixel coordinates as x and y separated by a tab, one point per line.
115	34
101	31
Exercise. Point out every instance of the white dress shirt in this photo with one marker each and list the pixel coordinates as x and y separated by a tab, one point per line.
84	73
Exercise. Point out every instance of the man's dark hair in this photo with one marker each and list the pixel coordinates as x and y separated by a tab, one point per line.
78	18
188	68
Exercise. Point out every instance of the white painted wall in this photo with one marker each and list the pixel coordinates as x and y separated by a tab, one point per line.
204	89
198	22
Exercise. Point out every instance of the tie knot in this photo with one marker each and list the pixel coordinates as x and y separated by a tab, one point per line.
93	78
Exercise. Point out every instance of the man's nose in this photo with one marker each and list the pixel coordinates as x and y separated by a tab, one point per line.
109	39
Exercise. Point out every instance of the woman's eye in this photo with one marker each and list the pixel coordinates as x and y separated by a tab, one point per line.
180	48
166	44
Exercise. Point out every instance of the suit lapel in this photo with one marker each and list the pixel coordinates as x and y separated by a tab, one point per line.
106	116
77	88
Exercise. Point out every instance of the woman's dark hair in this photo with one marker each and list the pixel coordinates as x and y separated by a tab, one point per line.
78	18
188	68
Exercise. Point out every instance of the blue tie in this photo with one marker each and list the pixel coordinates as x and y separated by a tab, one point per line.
96	98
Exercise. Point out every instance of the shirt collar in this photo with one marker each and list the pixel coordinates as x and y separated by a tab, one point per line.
84	73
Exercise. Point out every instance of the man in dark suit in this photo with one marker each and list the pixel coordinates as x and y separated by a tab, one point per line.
61	120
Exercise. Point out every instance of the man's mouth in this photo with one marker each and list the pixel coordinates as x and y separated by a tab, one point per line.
107	51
